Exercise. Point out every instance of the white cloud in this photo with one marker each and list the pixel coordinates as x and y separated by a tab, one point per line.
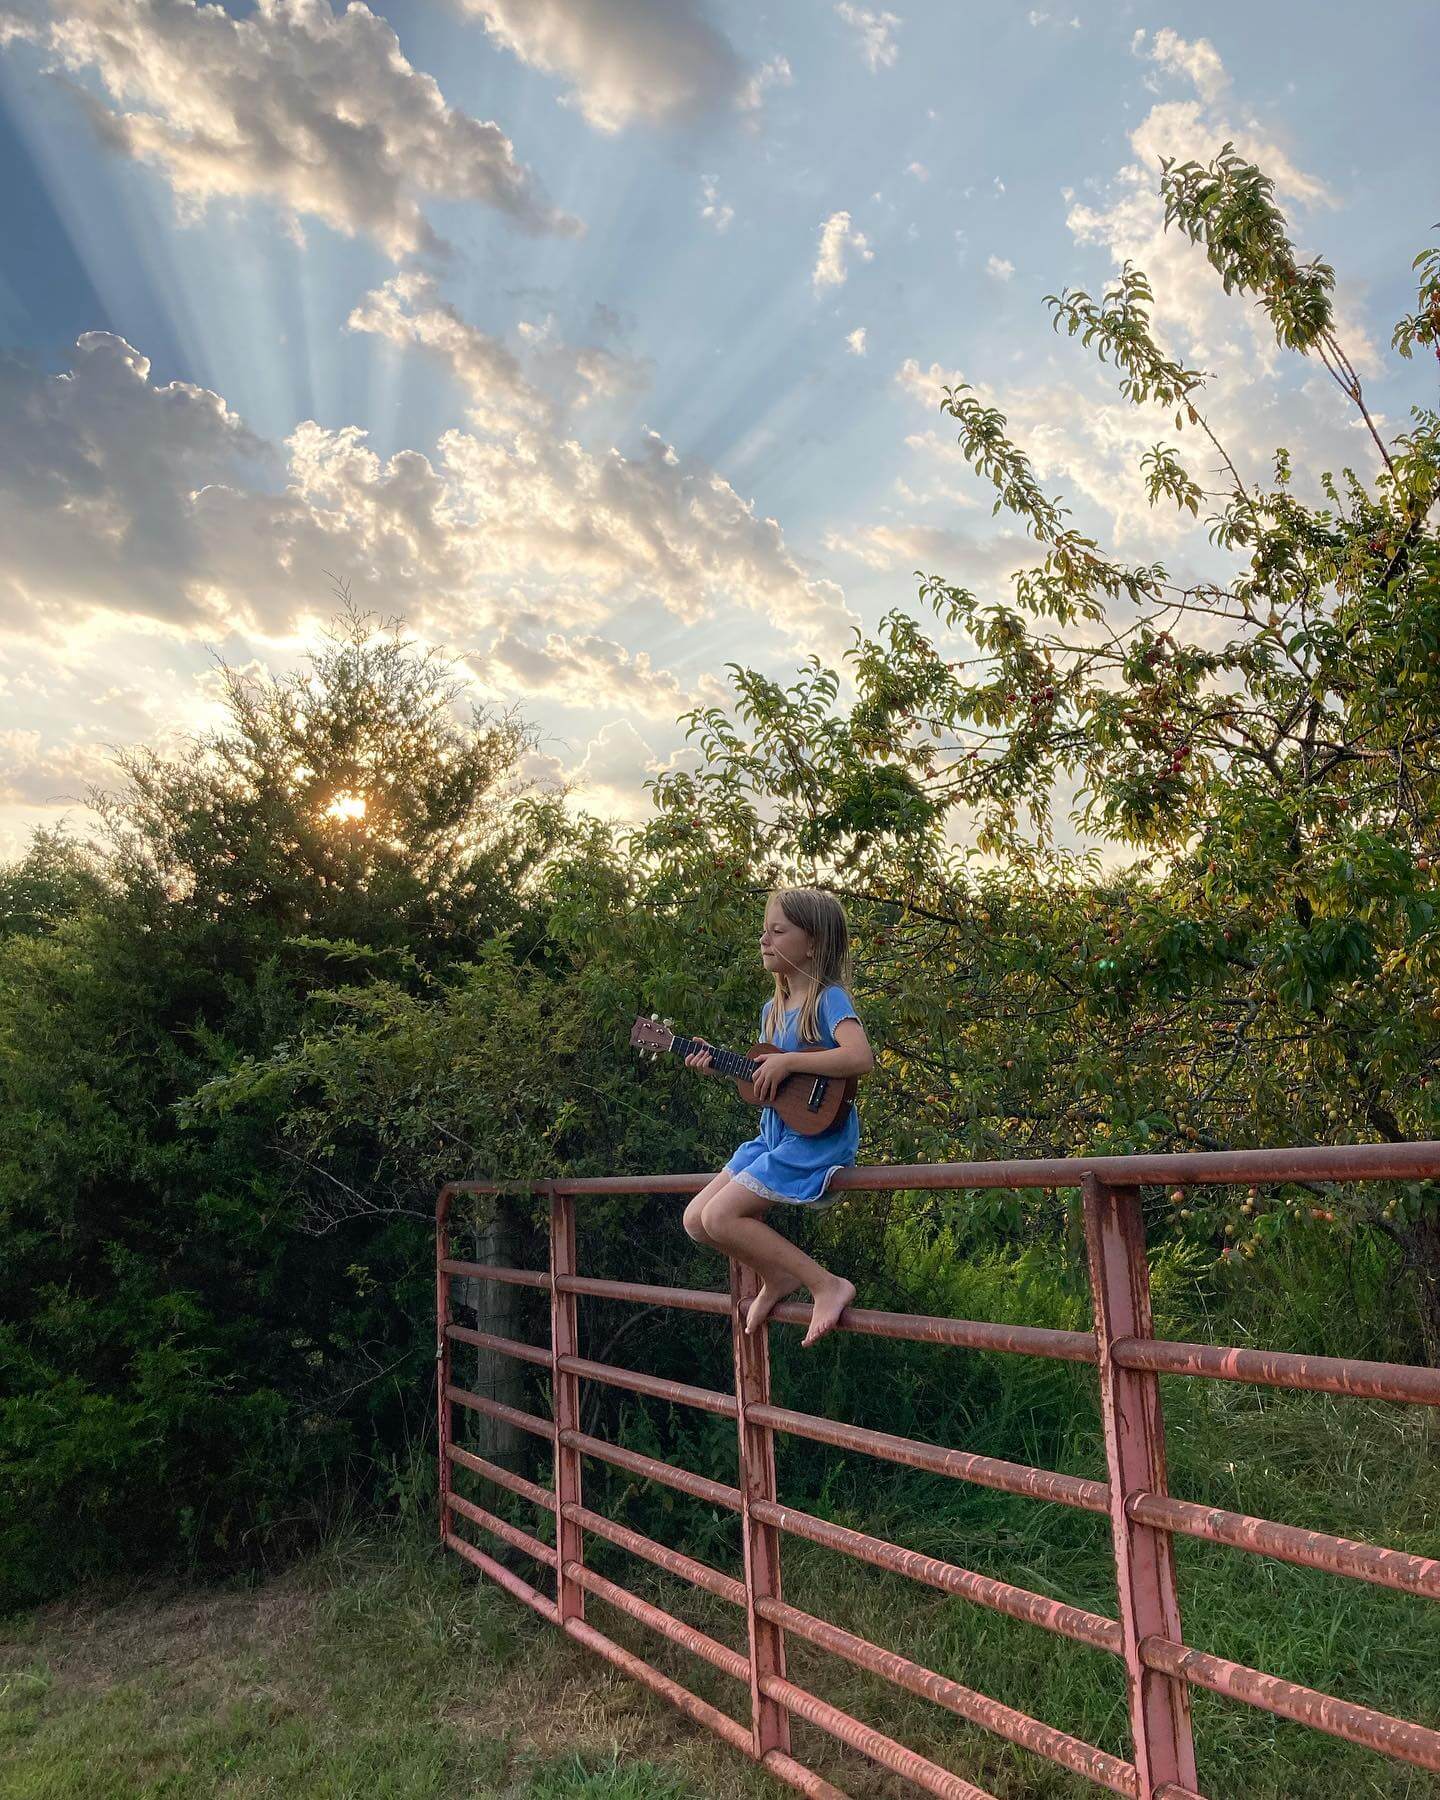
712	209
999	268
1256	397
1199	60
33	773
1251	398
927	385
836	236
20	21
576	375
125	501
876	31
774	73
407	310
938	549
856	341
590	671
1069	435
610	777
316	112
918	170
650	62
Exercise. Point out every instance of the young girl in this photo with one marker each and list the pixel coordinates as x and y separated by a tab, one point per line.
806	946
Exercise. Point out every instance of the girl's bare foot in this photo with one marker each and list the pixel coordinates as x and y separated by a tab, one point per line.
766	1301
831	1298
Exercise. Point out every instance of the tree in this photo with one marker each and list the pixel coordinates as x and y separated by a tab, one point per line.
55	879
178	1361
1269	969
346	801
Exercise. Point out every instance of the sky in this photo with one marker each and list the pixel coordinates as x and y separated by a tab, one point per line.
602	340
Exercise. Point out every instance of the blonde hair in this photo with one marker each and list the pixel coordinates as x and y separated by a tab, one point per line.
821	915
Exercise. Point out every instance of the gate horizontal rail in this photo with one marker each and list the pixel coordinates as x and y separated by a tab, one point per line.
1128	1359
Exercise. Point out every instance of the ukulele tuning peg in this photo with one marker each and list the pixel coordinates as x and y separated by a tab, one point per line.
669	1024
654	1018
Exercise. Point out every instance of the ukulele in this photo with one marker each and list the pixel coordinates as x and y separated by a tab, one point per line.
808	1104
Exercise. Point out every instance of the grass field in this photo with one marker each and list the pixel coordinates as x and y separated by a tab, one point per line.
377	1667
381	1667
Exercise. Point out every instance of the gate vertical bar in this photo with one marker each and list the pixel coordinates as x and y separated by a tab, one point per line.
565	1405
1135	1454
769	1720
442	1353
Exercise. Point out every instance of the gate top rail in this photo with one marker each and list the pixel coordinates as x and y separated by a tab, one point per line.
1344	1162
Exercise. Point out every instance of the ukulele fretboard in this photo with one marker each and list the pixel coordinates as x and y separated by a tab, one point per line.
726	1062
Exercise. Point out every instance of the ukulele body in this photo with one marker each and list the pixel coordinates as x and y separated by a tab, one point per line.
806	1103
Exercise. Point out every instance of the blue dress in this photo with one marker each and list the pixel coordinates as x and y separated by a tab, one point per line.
782	1164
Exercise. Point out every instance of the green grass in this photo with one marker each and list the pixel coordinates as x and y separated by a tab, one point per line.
377	1668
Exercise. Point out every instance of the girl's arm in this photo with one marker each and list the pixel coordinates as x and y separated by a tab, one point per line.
854	1056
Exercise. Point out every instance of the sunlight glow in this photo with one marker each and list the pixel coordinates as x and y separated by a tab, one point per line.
346	806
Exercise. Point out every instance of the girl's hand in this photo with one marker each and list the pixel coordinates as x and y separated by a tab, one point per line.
775	1065
700	1060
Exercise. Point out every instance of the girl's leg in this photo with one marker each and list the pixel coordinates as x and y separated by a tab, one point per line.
731	1220
694	1212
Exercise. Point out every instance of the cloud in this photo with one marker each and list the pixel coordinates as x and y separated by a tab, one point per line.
610	777
650	62
712	209
775	73
36	774
590	671
407	310
316	112
1257	395
918	170
125	501
1199	60
20	21
909	545
836	234
1070	435
856	341
999	268
1081	441
876	32
927	385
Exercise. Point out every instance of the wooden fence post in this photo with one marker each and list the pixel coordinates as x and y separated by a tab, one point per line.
769	1721
1135	1455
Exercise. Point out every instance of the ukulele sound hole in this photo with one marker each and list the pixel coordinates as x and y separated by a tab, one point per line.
817	1093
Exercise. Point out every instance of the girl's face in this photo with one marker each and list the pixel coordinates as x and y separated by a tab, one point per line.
784	948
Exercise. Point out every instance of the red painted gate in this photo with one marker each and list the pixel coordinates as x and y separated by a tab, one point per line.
1143	1516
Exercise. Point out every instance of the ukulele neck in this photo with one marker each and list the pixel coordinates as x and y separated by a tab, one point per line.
724	1062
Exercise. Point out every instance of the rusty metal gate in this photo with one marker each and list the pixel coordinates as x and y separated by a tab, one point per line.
1128	1360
